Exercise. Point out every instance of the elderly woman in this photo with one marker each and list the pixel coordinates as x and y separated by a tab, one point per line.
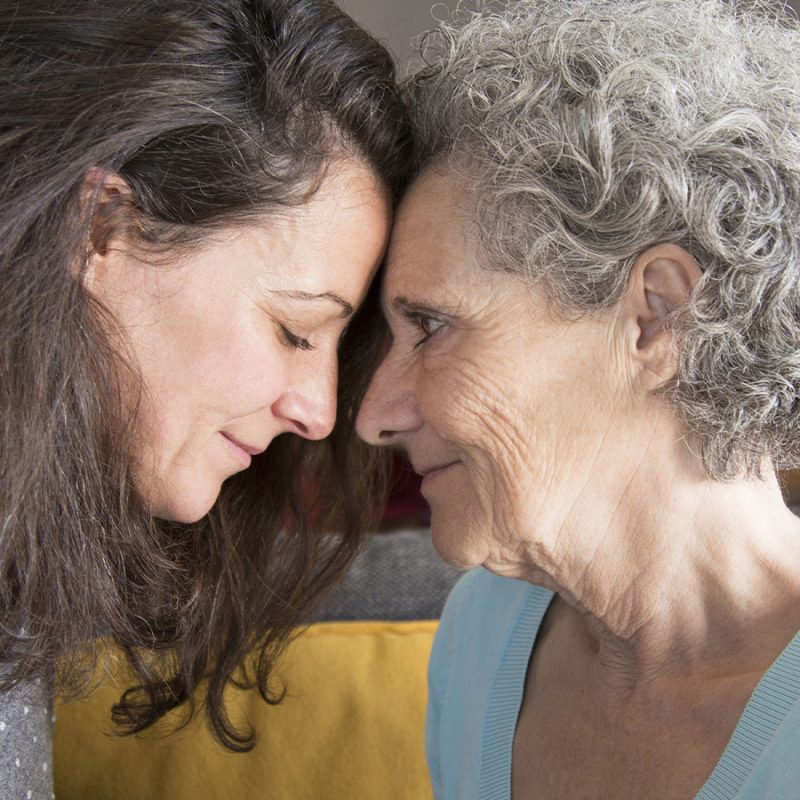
593	292
194	199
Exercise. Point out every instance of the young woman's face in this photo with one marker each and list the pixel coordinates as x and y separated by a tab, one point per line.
237	342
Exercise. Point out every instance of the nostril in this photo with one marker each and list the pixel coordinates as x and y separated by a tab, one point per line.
305	416
301	428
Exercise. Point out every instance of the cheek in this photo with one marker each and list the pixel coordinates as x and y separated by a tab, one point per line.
208	368
481	411
195	386
470	412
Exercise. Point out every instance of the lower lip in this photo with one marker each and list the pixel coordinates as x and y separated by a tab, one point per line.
242	457
431	477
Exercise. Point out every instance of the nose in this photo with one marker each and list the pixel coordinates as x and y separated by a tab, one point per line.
389	410
308	404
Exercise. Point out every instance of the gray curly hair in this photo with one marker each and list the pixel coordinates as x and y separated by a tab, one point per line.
593	129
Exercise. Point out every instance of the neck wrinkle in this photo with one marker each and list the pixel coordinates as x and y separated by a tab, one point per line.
692	580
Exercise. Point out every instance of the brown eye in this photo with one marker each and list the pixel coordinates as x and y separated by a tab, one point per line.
428	327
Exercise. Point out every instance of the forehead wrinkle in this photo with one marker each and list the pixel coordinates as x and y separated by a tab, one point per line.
402	304
442	288
431	238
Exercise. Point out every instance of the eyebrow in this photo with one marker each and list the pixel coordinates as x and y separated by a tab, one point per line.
295	294
405	306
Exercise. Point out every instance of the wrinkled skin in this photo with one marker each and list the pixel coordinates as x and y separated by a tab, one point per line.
548	455
528	408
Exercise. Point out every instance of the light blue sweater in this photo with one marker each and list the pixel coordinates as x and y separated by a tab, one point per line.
476	680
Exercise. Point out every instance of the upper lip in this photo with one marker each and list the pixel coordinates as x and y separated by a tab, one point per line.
427	469
250	449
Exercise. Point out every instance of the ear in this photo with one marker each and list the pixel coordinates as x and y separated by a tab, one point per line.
661	281
105	200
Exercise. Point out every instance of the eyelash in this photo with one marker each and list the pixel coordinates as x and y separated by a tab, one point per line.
422	321
292	340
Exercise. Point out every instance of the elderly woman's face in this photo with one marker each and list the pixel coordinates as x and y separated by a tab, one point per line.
237	343
502	407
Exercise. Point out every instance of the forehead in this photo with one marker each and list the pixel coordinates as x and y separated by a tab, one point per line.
331	241
431	246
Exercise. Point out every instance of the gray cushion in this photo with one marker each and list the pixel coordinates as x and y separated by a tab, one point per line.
396	576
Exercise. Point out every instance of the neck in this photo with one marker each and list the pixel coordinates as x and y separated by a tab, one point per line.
692	576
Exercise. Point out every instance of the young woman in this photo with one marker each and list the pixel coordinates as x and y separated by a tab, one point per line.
194	199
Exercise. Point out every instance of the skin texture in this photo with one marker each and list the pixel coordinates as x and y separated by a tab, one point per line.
564	466
485	393
236	342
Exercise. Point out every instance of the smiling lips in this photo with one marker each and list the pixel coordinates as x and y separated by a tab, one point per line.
243	452
429	473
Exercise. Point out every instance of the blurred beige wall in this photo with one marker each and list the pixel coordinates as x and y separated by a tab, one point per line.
396	22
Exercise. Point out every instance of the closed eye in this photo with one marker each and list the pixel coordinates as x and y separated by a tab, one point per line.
293	340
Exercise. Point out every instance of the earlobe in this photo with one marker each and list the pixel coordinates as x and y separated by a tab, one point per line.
661	282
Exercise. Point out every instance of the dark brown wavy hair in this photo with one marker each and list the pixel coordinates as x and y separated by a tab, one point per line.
213	112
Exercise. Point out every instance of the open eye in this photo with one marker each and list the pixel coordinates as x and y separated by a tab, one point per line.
428	326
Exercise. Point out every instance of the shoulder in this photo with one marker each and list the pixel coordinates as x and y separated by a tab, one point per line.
482	603
770	729
762	758
485	618
477	623
773	766
25	743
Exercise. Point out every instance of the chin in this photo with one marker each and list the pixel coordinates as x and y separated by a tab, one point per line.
450	542
187	517
185	507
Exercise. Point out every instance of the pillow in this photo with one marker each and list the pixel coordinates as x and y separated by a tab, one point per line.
396	576
350	728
